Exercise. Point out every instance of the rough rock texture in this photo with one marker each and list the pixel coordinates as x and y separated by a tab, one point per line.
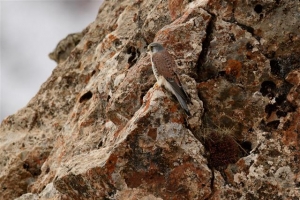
100	128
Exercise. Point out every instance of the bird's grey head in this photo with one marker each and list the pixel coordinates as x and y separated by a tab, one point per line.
155	47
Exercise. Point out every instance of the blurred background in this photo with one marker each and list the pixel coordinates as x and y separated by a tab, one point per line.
30	30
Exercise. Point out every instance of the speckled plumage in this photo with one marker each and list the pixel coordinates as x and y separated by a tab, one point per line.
163	66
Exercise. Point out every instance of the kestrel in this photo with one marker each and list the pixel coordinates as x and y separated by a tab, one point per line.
163	66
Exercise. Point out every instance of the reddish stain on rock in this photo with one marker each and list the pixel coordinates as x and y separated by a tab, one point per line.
152	133
233	68
223	149
111	163
87	123
175	7
291	135
151	179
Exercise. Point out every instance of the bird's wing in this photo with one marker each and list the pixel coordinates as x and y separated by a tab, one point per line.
168	64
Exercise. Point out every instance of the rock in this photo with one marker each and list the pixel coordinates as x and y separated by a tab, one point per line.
65	46
100	128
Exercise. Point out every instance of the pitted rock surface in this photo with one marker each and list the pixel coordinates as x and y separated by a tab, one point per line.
100	128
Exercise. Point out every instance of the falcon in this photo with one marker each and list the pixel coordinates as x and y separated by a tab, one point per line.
163	66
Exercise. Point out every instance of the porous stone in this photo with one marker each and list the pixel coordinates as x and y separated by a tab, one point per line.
100	128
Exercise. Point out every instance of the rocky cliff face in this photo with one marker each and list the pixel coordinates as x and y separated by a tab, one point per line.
99	128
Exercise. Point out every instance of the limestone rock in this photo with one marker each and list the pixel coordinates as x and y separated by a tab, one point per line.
100	128
65	46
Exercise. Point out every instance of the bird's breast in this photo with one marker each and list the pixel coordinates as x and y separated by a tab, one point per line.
161	81
155	71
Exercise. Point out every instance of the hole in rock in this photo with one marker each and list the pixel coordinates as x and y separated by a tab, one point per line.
270	54
275	67
222	73
100	144
258	8
134	54
86	97
288	107
247	146
47	170
281	113
35	172
108	98
88	44
232	37
93	73
267	88
270	108
286	125
280	99
261	16
273	124
249	46
118	42
26	166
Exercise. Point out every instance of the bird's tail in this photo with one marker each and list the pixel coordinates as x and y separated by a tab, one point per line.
180	94
183	104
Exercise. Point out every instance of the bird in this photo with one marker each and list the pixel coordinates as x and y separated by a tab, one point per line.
163	66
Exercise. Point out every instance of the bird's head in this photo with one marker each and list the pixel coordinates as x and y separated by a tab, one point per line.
154	47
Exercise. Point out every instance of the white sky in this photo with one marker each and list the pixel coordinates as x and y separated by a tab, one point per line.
29	31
